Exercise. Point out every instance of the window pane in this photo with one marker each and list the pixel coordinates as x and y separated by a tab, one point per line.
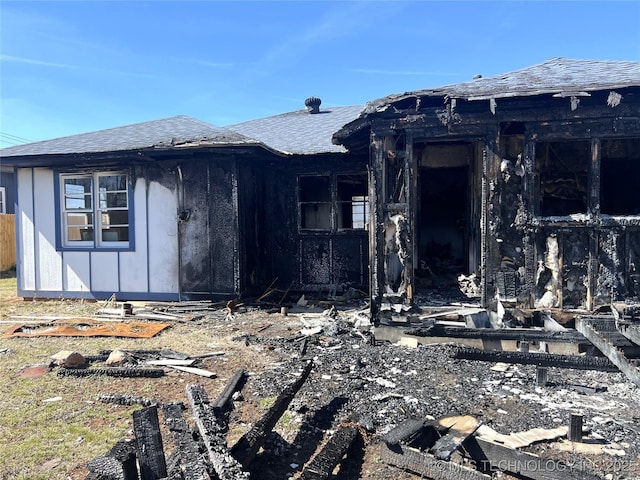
315	189
316	216
115	234
77	192
563	170
351	186
111	183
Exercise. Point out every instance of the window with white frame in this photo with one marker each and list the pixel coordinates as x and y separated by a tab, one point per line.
3	200
95	210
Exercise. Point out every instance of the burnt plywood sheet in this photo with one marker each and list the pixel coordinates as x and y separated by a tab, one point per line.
86	328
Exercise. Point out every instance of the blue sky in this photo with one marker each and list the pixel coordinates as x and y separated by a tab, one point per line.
77	66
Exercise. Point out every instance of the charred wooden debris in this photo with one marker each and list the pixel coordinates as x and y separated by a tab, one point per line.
201	452
454	448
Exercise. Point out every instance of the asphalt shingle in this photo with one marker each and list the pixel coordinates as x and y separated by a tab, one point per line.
171	132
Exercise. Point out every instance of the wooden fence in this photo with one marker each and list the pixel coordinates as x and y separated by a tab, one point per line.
7	241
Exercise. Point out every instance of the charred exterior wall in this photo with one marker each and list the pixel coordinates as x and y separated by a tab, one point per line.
560	220
208	226
310	206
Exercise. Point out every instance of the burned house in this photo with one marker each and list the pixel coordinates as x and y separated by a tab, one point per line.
178	209
523	184
527	180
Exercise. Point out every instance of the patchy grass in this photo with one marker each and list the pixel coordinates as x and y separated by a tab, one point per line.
54	440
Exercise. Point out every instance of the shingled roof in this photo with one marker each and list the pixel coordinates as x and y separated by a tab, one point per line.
300	132
172	132
556	76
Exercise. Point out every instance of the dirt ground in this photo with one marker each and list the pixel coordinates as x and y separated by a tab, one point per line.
52	425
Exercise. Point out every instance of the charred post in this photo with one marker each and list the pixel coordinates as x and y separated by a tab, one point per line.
331	454
146	428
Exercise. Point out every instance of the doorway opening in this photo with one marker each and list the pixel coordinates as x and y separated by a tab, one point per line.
447	244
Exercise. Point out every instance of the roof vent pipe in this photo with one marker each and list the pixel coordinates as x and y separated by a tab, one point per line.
313	104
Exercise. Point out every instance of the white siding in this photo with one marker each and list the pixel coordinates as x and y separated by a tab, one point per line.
26	244
133	265
49	273
104	272
163	239
77	272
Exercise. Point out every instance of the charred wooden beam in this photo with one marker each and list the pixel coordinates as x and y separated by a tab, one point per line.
407	432
149	444
491	456
192	464
516	334
596	333
112	372
414	460
121	399
630	331
247	447
118	464
539	359
331	454
236	383
211	431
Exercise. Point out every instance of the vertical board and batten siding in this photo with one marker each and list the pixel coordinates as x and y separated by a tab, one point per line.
133	265
43	271
49	273
162	234
26	261
7	241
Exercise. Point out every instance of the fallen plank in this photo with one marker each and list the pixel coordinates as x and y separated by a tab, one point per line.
124	372
323	464
211	431
193	370
207	355
171	362
490	456
247	447
126	400
235	383
414	460
521	439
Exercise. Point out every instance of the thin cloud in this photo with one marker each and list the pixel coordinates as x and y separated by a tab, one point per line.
207	63
33	61
370	71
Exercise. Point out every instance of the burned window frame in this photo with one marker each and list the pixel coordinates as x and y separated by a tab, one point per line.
337	205
586	176
97	208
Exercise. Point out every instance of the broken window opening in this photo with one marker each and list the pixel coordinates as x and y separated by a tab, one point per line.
619	174
332	203
315	202
563	172
353	202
